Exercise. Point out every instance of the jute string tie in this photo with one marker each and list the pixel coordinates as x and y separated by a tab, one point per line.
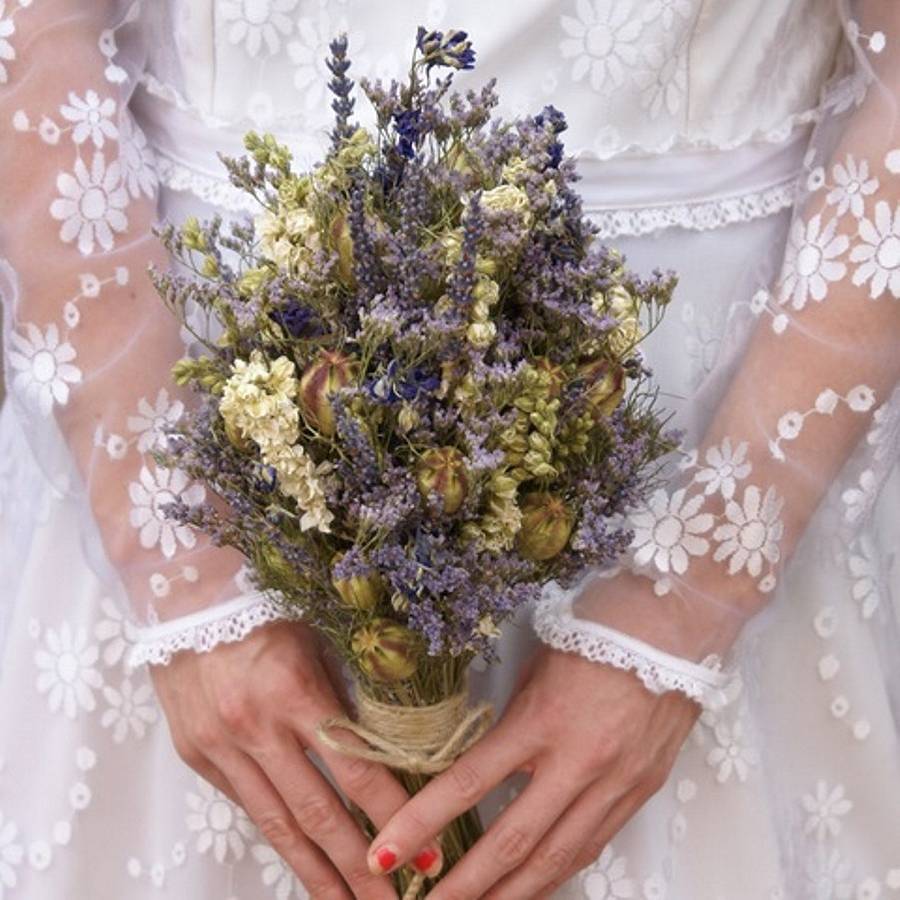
418	739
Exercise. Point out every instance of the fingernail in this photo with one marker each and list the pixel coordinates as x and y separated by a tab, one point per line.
385	859
429	862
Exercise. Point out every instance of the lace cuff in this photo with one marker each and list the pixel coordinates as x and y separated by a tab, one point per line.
224	623
557	626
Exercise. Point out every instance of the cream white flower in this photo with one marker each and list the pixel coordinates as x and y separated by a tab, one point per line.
257	22
507	198
725	467
91	204
664	85
130	710
11	851
152	421
153	492
300	478
7	51
606	879
878	249
136	158
667	531
92	118
67	670
43	366
826	808
852	186
862	562
277	874
810	262
258	400
220	826
752	532
732	756
602	42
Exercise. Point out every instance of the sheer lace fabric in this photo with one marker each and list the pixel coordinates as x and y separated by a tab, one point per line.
810	368
89	346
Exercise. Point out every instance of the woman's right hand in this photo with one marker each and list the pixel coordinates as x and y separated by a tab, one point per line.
243	715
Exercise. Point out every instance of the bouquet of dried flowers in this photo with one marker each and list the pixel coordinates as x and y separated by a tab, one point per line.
426	399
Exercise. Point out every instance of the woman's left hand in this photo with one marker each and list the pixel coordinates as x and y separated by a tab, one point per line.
597	746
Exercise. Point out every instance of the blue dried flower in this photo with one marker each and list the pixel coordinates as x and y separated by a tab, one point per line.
551	117
452	49
406	123
391	388
297	320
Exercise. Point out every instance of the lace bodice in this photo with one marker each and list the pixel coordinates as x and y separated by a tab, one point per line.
638	76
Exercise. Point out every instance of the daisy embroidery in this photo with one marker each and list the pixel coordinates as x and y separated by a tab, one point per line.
601	40
219	825
91	204
150	496
667	532
851	186
66	671
258	24
7	51
92	118
752	532
43	366
725	467
878	249
811	261
153	420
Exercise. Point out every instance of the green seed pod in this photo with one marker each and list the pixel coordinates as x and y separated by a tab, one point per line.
328	374
605	386
386	651
360	592
442	471
546	526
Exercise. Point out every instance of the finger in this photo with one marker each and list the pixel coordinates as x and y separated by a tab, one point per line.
481	768
510	840
272	817
376	792
321	815
575	841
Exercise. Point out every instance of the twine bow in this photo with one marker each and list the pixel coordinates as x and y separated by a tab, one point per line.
418	739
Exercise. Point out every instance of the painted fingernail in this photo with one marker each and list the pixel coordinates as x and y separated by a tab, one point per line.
385	859
428	862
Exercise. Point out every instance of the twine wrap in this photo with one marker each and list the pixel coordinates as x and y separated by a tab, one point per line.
418	739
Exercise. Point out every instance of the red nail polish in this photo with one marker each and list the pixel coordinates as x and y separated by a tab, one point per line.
425	861
385	857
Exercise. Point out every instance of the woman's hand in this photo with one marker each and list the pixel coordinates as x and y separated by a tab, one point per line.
242	717
596	744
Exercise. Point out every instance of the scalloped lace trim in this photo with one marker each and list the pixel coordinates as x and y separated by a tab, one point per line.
556	625
216	191
701	215
201	632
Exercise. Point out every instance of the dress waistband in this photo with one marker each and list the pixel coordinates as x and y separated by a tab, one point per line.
624	195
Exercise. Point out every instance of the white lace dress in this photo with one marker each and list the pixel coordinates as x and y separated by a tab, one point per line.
752	147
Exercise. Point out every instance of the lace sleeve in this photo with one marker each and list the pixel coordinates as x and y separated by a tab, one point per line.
89	345
806	394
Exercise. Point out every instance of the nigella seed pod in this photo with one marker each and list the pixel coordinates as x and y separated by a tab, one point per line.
554	373
442	471
546	526
361	591
386	651
604	386
328	374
